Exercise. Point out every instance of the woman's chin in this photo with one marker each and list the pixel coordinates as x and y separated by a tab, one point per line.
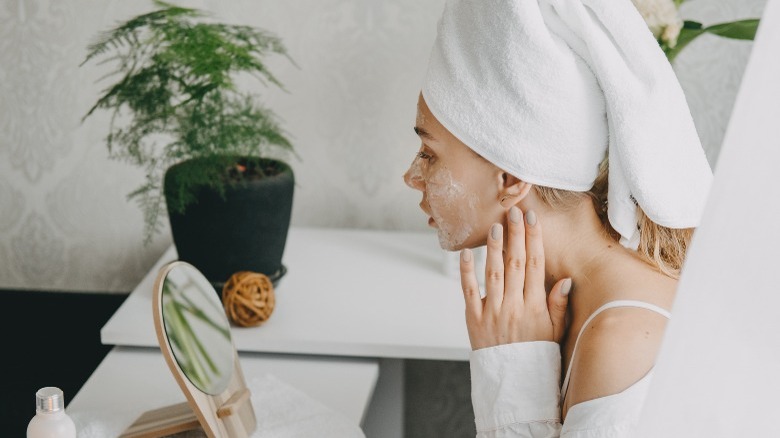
448	245
451	248
454	247
455	237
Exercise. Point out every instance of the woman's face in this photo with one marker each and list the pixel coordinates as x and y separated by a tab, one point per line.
460	189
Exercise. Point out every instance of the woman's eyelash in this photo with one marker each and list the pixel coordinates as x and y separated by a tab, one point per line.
424	156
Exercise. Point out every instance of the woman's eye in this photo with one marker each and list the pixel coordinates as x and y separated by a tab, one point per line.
424	156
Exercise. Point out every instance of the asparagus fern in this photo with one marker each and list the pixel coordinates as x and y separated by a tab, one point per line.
176	98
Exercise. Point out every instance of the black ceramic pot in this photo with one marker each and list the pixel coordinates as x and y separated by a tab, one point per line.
244	231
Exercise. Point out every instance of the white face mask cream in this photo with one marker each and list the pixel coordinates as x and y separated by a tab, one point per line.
452	180
452	207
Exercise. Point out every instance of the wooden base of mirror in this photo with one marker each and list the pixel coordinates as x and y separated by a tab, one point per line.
164	421
180	417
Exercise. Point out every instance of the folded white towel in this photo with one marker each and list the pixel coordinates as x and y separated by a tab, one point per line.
541	88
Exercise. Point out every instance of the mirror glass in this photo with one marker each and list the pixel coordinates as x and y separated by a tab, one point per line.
197	328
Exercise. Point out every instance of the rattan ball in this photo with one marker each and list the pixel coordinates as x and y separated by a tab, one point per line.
248	298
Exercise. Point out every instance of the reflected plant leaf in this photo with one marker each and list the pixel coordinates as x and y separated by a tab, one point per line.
193	358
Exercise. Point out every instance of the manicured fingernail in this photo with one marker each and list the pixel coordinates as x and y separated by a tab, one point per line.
495	231
465	255
566	287
530	217
514	215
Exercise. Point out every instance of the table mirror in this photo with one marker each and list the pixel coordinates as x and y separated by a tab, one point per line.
194	336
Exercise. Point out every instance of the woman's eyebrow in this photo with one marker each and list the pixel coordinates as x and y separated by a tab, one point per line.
423	133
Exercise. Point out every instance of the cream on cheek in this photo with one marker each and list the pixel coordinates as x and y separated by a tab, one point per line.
453	207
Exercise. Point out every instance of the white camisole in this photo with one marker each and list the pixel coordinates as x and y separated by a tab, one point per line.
617	407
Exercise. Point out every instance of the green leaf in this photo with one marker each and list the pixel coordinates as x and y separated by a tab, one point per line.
738	30
741	29
690	24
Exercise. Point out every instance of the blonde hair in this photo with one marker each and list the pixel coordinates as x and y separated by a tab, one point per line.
661	247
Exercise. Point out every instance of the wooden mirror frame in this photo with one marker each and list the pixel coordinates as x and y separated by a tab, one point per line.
228	414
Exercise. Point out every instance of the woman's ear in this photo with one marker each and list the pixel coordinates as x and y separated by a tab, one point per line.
512	190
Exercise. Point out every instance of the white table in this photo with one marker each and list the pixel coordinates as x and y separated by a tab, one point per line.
349	293
130	381
346	293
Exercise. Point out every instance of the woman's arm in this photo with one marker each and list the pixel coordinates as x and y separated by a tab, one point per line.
515	387
515	390
514	330
516	362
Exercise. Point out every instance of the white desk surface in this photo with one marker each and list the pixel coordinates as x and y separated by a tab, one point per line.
346	293
131	381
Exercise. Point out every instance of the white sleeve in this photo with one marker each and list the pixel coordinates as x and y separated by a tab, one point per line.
515	390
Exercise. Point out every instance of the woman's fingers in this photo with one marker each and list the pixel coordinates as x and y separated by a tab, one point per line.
494	269
514	266
557	301
535	292
470	286
516	307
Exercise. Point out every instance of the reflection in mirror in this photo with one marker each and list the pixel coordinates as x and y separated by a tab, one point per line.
197	329
194	336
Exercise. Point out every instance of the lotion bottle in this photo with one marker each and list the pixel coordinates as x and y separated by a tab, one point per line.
50	420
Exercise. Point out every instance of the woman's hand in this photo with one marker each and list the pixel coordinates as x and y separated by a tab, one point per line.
516	307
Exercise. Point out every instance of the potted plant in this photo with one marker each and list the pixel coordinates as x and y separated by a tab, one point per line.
204	144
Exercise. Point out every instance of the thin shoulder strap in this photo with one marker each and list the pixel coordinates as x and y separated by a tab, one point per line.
609	305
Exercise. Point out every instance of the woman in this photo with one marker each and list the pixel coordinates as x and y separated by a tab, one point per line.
555	133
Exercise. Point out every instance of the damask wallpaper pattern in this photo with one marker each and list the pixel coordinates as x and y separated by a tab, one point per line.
65	223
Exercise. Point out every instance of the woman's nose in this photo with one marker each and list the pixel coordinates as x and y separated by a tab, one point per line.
413	177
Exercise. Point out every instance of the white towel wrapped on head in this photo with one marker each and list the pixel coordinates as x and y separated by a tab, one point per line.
543	88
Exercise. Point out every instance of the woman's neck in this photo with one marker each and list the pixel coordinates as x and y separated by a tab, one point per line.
577	246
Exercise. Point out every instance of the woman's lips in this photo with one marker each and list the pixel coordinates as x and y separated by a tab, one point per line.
431	222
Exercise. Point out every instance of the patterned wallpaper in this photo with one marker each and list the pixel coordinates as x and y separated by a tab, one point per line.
65	223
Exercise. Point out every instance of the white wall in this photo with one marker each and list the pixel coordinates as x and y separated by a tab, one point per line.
64	220
716	374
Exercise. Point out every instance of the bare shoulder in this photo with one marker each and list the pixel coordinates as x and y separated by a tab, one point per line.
615	351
